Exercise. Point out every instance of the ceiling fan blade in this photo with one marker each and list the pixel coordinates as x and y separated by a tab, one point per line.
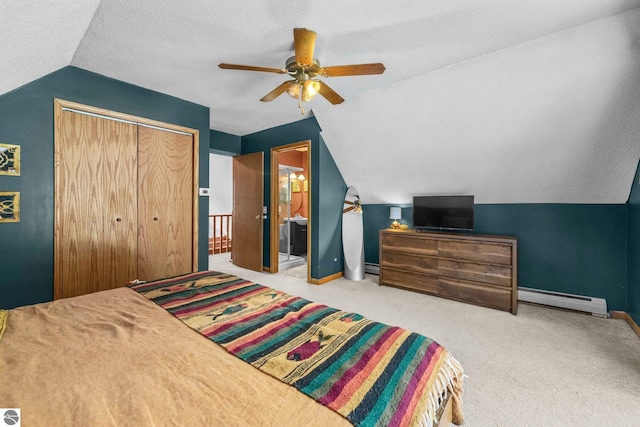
277	91
251	68
304	43
330	94
349	209
352	70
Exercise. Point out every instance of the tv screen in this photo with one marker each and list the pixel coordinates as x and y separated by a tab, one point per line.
443	212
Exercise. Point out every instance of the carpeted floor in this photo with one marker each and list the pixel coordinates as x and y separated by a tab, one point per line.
543	367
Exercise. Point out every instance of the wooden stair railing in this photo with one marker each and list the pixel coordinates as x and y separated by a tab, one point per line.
220	242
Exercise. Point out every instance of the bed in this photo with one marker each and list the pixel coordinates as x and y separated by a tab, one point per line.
143	355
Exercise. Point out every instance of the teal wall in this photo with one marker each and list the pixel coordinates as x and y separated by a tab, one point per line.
633	283
26	119
331	190
577	249
327	192
224	143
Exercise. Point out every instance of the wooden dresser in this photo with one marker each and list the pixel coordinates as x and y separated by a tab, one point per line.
477	269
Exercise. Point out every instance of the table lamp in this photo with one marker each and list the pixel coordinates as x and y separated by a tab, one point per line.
395	214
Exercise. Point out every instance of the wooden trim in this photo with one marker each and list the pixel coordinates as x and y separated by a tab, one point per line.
273	222
57	227
273	209
196	196
618	315
123	116
625	316
326	278
514	279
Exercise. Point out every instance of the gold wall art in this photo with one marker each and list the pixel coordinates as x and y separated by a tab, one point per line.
9	206
9	159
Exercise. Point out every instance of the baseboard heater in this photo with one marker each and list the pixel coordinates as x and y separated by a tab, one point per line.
371	268
595	306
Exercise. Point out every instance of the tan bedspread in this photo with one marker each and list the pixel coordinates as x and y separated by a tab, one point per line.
116	358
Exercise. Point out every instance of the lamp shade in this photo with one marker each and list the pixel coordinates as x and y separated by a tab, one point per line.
395	213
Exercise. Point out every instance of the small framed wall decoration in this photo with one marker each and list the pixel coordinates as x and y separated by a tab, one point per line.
9	206
9	159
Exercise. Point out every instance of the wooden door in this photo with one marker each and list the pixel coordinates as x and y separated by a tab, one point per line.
165	203
126	199
95	217
248	199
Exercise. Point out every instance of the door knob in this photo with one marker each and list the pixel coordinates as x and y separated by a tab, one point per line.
258	216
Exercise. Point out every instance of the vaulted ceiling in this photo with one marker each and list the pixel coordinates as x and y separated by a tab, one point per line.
513	101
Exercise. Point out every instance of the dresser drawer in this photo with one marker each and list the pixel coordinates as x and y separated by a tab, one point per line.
408	244
494	253
485	273
493	297
408	280
414	263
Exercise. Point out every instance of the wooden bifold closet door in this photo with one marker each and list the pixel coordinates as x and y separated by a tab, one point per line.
125	203
165	188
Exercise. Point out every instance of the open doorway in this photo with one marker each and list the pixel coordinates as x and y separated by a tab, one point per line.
290	206
220	205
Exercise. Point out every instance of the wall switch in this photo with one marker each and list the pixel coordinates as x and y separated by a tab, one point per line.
203	191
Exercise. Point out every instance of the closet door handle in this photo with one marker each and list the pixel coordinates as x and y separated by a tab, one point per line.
118	219
155	218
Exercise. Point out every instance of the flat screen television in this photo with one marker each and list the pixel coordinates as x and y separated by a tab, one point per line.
443	212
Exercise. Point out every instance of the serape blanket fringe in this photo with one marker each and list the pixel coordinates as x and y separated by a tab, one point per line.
370	373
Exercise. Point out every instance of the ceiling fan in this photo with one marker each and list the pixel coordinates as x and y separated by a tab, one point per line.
305	69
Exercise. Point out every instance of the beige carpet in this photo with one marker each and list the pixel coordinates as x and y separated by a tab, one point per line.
543	367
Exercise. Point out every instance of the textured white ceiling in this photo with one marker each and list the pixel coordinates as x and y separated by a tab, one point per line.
38	37
512	101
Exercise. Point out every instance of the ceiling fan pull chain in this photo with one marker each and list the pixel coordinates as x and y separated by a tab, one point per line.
300	99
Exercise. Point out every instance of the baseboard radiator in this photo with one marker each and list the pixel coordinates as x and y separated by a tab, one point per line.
371	268
595	306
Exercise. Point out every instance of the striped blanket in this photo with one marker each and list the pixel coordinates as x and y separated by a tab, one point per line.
370	373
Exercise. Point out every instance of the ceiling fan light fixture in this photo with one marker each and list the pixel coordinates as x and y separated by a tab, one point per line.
294	90
303	68
308	88
311	89
304	91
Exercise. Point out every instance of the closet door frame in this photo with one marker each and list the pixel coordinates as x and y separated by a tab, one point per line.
59	105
